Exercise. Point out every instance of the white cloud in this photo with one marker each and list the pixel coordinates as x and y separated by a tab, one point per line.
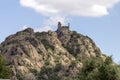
69	7
99	10
57	10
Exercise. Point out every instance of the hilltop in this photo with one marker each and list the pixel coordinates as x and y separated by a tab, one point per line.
52	55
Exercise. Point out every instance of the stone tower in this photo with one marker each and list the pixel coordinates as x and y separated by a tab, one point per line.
59	25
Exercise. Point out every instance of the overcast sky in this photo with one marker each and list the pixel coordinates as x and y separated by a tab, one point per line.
99	19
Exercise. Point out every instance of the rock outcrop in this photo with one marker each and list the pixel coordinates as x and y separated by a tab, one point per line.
27	52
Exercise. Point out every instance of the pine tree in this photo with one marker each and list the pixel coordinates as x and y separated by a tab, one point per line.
4	70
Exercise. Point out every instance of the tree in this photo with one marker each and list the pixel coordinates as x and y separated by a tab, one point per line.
4	70
97	69
89	70
109	70
49	73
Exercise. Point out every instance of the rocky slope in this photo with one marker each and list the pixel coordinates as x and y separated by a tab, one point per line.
28	52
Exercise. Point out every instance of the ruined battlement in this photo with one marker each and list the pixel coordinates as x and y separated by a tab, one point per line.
62	28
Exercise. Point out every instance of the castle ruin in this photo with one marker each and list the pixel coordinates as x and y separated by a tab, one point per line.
62	28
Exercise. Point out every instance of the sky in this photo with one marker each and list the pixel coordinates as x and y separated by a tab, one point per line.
98	19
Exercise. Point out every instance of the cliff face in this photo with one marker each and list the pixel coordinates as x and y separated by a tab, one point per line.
28	52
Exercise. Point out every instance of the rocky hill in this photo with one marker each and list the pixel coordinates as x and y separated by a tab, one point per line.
47	55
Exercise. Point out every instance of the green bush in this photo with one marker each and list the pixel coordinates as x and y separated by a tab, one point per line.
4	70
109	71
48	73
73	63
97	69
47	44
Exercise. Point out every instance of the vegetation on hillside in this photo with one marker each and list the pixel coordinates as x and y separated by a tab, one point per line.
97	69
4	71
93	69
